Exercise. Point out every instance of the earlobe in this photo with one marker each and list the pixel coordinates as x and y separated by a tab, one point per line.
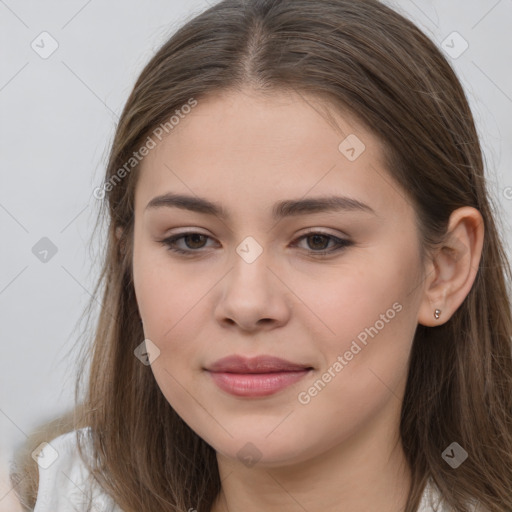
455	266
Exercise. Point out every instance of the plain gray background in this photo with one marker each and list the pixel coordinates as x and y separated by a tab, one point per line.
57	119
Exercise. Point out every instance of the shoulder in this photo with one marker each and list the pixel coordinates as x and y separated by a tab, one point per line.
432	500
65	483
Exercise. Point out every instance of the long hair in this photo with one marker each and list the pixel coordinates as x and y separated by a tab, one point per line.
362	57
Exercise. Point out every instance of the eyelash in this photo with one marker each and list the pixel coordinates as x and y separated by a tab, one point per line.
341	244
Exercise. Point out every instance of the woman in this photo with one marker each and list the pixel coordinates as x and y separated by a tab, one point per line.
238	365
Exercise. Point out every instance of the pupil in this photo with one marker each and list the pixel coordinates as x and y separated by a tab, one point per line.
318	237
194	237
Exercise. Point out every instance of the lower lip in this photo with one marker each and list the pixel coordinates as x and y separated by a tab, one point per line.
256	384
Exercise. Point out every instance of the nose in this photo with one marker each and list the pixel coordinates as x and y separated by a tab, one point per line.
253	296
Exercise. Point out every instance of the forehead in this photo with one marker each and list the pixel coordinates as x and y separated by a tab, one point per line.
254	149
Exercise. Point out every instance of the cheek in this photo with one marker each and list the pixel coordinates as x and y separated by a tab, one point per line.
343	304
172	302
169	301
365	369
367	323
167	293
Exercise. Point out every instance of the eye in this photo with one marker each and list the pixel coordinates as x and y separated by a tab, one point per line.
195	241
321	240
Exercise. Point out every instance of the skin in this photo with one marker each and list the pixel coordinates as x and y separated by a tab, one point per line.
247	151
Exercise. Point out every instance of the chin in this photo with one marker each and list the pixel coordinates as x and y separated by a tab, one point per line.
258	449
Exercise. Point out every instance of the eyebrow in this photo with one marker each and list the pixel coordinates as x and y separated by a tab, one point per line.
287	208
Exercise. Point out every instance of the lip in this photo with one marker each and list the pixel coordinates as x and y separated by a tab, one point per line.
256	376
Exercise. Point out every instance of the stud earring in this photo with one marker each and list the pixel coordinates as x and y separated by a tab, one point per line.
437	313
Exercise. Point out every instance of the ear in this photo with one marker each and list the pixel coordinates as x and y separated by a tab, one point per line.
119	232
453	267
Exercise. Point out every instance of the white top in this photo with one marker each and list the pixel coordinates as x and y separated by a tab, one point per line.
65	483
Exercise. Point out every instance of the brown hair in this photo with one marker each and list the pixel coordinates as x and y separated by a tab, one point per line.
362	57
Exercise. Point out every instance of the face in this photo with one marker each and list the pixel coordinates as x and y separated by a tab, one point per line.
332	290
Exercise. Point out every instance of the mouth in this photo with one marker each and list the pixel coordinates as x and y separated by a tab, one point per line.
256	377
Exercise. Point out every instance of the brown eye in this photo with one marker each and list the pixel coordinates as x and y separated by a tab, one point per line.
193	242
318	243
196	239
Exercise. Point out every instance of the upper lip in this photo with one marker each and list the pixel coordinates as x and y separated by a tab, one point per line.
258	364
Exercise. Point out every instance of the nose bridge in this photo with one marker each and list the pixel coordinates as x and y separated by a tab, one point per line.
250	250
251	292
250	266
